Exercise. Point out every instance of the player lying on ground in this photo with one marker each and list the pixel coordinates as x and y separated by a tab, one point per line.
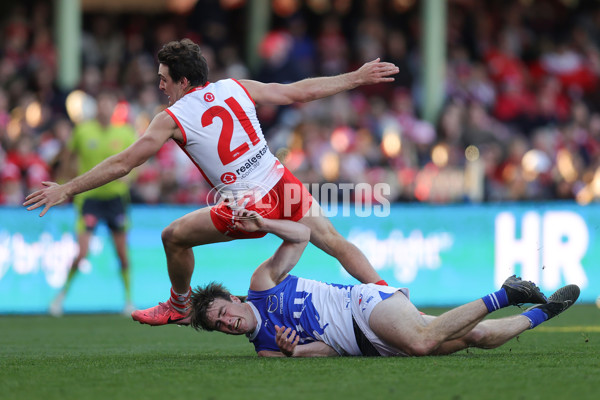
285	315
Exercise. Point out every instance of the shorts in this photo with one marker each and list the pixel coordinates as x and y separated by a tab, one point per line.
111	211
364	299
288	199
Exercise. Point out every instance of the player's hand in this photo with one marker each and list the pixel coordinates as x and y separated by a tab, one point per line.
49	196
376	72
286	339
249	221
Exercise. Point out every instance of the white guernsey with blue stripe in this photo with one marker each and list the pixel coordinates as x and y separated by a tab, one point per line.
316	310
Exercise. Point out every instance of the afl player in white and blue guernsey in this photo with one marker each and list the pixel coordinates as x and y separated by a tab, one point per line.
285	315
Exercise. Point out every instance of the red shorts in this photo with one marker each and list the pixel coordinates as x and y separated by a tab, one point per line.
288	199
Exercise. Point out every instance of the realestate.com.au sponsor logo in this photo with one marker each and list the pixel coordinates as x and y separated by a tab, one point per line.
290	200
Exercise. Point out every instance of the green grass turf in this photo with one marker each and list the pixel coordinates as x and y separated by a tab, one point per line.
111	357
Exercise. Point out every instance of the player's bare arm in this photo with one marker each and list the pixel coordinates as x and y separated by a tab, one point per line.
313	349
310	89
160	130
287	341
295	238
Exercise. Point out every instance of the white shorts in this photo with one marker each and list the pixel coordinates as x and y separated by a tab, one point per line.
364	299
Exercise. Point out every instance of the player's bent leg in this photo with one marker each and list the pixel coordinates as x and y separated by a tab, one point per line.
454	345
487	334
402	326
193	229
492	333
398	323
327	238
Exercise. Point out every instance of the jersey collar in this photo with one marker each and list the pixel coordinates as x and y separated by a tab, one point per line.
252	336
197	88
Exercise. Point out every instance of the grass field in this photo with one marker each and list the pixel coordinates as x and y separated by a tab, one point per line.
111	357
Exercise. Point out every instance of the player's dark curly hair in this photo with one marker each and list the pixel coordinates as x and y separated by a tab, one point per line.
201	300
184	59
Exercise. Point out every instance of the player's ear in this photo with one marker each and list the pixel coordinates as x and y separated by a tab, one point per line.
235	299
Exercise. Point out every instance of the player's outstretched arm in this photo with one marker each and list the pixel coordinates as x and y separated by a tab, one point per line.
114	167
310	89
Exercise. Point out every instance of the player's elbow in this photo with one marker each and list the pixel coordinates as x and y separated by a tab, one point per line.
123	169
306	95
123	164
294	93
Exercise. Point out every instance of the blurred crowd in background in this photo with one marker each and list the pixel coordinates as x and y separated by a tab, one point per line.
520	118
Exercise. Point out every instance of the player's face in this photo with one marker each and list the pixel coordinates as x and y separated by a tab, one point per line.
173	90
231	317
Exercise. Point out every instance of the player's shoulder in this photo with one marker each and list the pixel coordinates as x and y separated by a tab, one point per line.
165	117
222	82
229	84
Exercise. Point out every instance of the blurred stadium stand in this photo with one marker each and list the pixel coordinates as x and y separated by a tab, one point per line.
520	117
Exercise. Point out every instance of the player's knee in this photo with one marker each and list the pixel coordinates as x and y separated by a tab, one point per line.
478	337
422	347
423	342
169	235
